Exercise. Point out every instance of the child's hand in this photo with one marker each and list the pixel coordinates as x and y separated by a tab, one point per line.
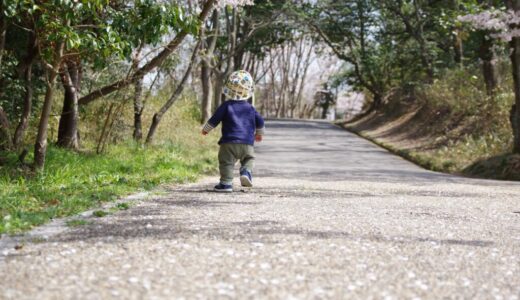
204	132
258	138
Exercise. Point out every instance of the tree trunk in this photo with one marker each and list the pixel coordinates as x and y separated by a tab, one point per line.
178	91
515	60
3	30
32	52
207	92
68	126
217	90
458	48
222	75
515	126
375	105
40	147
138	110
5	136
487	56
206	70
19	134
515	110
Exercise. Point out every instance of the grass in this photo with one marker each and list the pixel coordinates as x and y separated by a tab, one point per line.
73	182
77	223
100	213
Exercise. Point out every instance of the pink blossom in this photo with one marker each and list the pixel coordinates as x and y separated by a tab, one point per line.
501	24
235	3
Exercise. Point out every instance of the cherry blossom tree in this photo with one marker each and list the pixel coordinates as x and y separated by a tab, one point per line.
504	25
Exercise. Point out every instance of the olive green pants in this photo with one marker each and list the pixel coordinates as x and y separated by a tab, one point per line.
228	156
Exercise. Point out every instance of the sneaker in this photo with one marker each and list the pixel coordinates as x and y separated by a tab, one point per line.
223	188
246	179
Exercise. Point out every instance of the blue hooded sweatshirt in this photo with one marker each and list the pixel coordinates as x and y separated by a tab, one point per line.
240	122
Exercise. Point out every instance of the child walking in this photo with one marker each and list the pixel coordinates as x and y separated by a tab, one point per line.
242	125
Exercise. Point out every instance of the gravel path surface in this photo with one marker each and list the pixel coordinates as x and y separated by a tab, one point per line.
331	216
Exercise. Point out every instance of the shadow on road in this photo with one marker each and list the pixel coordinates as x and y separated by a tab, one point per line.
151	222
323	152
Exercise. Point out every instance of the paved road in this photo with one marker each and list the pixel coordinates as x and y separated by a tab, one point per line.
332	216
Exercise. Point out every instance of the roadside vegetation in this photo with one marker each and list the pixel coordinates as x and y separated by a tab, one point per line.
453	126
75	181
441	79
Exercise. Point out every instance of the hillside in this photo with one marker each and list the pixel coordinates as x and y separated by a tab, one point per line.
450	126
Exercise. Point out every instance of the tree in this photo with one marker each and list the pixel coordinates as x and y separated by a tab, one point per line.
486	42
505	25
236	31
514	5
26	70
157	60
173	98
345	27
209	36
143	24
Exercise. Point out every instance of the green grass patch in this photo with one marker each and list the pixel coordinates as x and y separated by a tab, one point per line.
122	206
77	223
100	213
74	182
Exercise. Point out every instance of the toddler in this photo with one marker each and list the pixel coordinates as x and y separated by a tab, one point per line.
242	125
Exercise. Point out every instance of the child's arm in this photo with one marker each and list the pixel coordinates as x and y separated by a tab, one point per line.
260	127
214	120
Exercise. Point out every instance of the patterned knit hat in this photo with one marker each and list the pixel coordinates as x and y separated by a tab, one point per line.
239	86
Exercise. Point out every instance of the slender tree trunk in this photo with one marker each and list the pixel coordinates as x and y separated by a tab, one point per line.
515	60
515	125
5	136
376	104
178	91
32	52
207	92
138	110
222	75
19	134
238	59
217	89
103	136
40	147
419	36
487	56
68	125
3	30
515	109
206	70
458	48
